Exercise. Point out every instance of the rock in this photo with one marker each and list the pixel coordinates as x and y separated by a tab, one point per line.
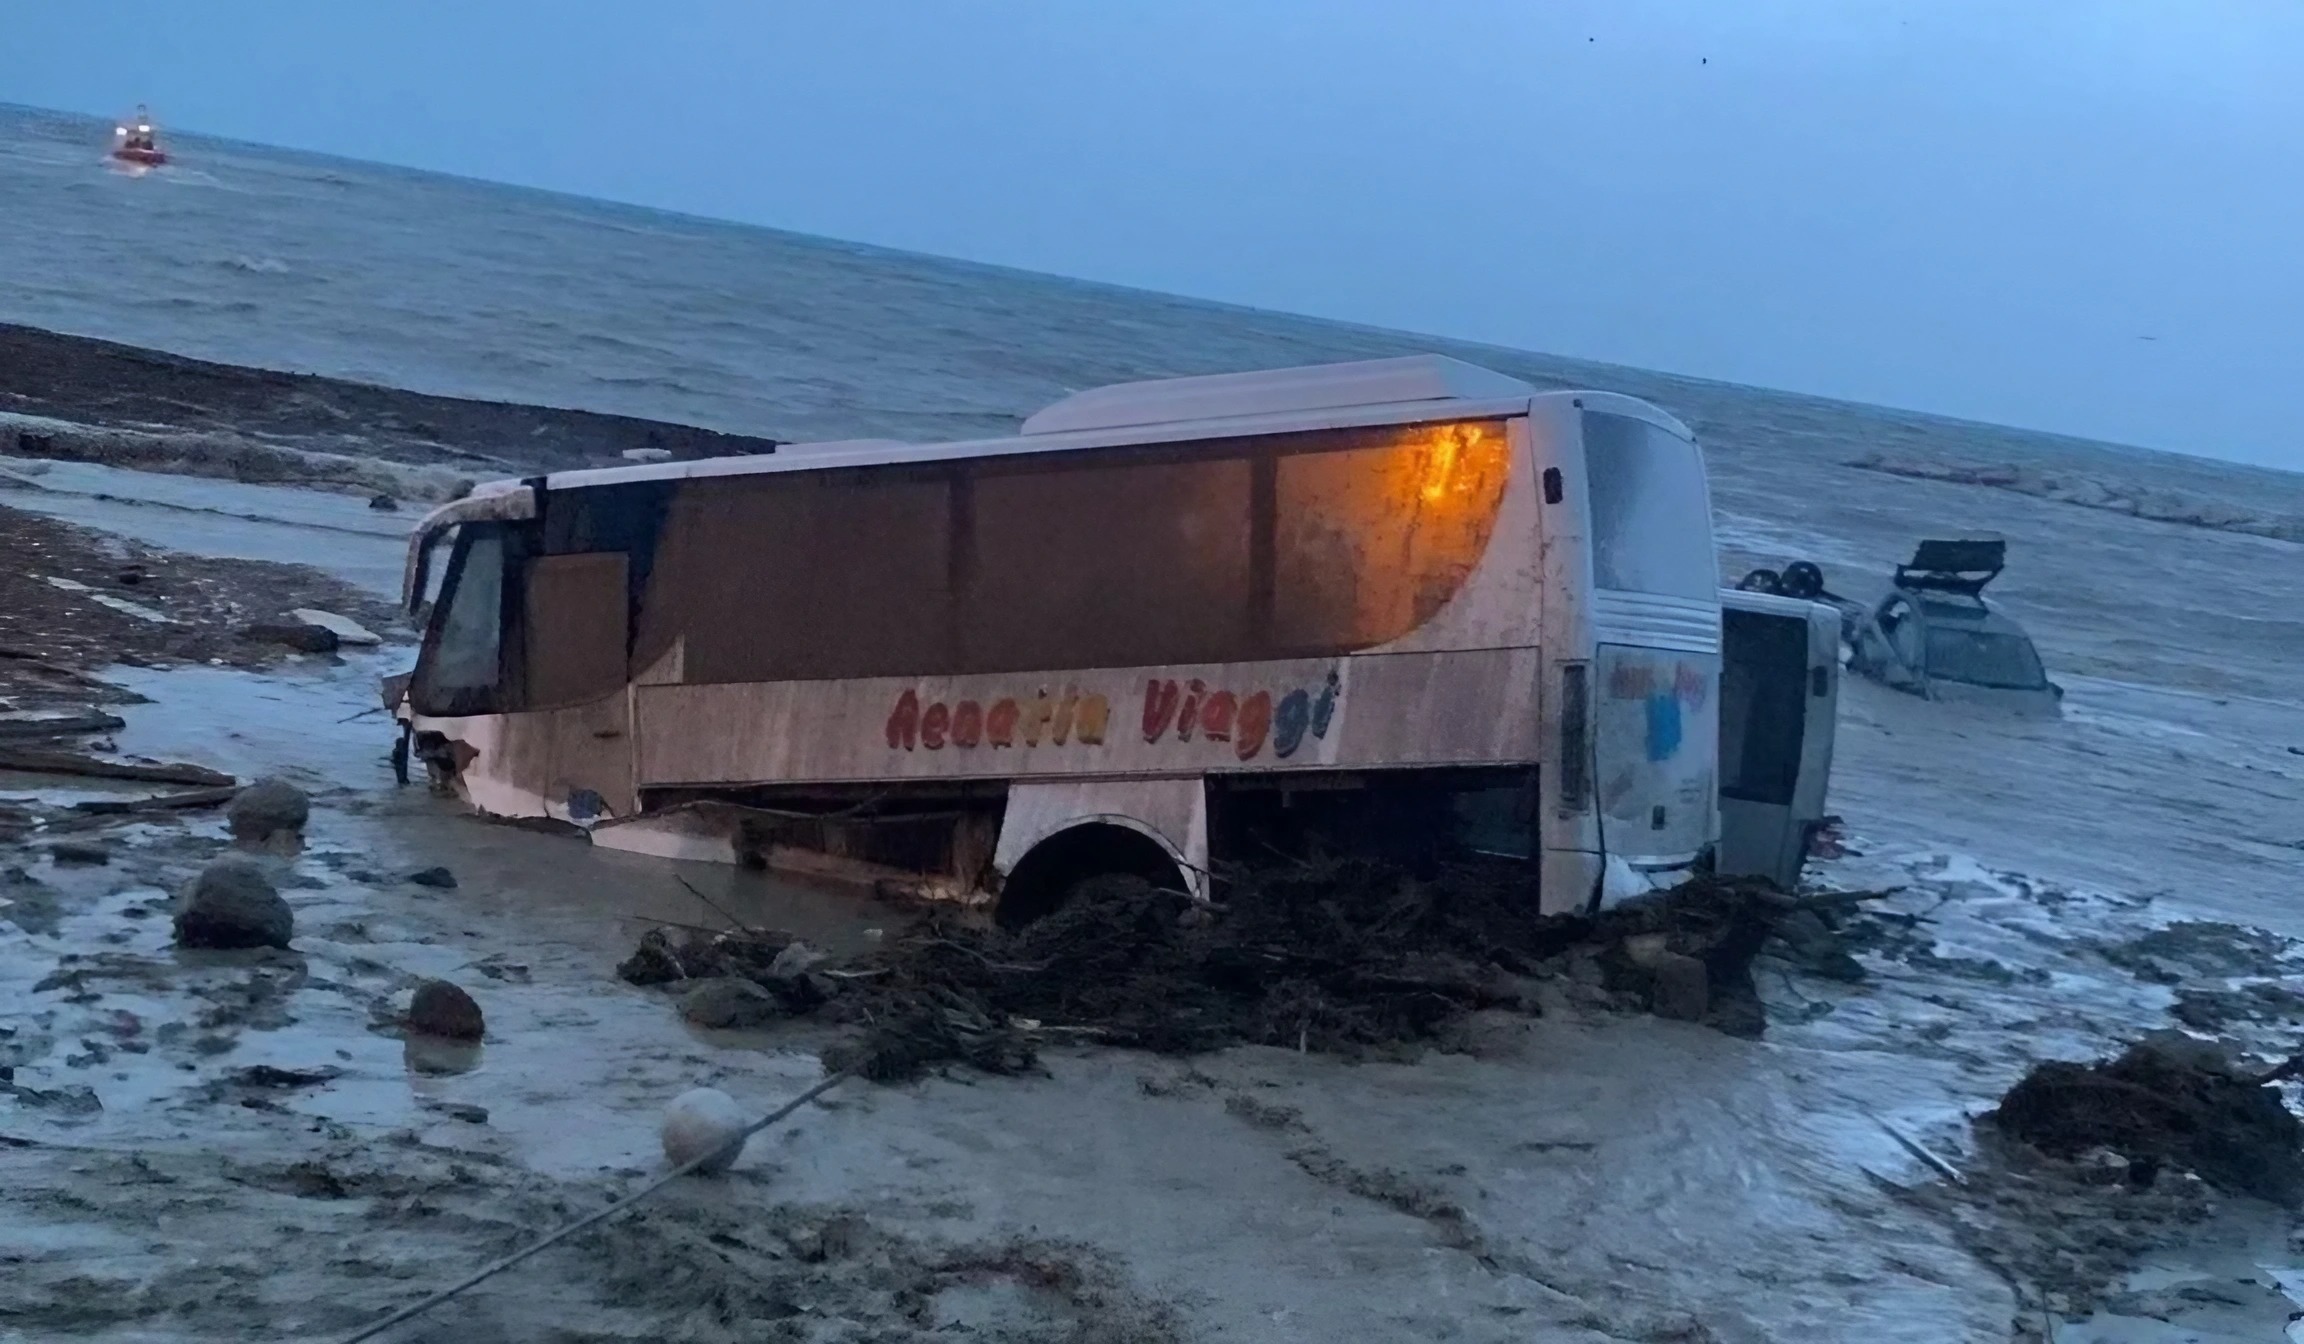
1681	988
728	1004
346	630
131	575
434	877
796	960
443	1009
266	808
79	851
1817	948
384	504
293	634
233	903
699	1121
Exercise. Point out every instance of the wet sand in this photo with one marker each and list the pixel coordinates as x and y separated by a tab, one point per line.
1586	1175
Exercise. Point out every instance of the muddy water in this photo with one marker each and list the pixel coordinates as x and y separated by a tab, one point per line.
337	534
1582	1176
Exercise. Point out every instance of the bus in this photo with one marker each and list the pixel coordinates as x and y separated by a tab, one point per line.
1779	706
1409	607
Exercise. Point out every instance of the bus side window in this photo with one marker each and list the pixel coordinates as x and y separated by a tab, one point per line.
572	628
463	658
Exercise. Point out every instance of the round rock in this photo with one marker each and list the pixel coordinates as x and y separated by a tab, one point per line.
233	903
730	1003
443	1009
267	807
699	1121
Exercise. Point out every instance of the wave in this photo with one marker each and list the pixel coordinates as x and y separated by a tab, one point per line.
254	265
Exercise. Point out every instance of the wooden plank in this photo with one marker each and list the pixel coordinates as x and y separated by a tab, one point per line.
37	761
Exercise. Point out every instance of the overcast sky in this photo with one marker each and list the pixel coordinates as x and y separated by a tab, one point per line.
2083	215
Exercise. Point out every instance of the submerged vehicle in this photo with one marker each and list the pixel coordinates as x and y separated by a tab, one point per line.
1934	634
133	141
1410	603
1779	704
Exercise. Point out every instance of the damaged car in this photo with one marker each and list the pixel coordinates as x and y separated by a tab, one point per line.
1934	634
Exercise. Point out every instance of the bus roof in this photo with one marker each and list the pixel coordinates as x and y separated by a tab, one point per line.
1366	392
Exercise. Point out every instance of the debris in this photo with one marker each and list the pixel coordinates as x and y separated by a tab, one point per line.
728	1004
266	808
297	635
346	630
458	1110
704	1131
77	1099
436	877
233	904
80	852
272	1076
161	803
444	1009
1340	956
37	761
1679	987
85	722
384	504
2166	1100
1913	1146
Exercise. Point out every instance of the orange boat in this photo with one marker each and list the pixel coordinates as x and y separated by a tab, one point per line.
132	141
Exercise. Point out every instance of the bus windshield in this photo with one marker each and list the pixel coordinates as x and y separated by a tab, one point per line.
1651	521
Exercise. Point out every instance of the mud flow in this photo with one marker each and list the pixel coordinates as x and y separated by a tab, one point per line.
1932	1095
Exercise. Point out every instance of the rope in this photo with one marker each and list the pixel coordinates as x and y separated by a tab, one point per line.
488	1272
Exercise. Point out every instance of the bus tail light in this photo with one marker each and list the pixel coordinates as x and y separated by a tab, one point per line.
1575	736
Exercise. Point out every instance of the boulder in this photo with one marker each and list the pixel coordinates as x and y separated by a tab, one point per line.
443	1009
701	1121
293	634
1680	987
384	504
346	630
266	808
439	878
79	851
728	1004
233	903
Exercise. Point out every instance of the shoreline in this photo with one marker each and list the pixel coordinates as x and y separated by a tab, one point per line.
81	399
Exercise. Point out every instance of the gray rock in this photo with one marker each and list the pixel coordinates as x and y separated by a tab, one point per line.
384	504
1681	989
233	903
293	634
79	851
439	878
728	1004
346	630
266	808
797	959
443	1009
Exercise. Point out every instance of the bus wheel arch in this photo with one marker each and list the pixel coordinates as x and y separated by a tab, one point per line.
1105	851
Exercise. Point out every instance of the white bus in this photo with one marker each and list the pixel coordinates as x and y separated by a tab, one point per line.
1408	606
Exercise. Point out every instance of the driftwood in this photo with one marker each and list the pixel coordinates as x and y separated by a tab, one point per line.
68	725
37	761
112	807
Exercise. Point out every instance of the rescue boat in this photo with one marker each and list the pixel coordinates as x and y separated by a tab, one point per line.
133	142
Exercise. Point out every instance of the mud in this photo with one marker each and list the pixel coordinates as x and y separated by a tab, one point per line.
2169	1104
74	601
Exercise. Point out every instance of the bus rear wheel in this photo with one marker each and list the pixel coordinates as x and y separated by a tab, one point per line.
1095	862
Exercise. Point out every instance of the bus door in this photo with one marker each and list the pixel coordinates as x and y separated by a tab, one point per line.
1779	683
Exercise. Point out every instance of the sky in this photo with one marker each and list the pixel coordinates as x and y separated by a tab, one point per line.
2078	215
